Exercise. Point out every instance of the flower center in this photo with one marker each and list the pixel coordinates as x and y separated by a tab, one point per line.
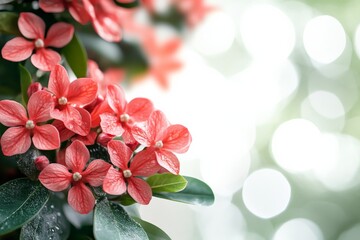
39	43
62	100
159	144
77	176
124	117
127	173
30	124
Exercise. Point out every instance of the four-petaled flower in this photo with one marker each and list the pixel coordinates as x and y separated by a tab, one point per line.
164	139
58	177
70	98
33	27
125	177
17	138
124	115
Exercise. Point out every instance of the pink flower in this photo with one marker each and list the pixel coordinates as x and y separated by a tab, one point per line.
69	98
76	8
33	27
117	180
125	114
17	138
163	138
111	76
57	177
194	10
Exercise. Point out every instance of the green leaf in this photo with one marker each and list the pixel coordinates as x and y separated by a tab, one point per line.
125	200
76	56
50	223
153	232
20	201
166	182
134	3
9	23
196	192
111	221
25	81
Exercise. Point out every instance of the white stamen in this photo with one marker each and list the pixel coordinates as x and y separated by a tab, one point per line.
77	176
30	124
39	43
159	144
127	173
62	100
124	117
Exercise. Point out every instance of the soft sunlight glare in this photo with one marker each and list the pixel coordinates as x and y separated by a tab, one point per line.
324	39
267	32
214	35
223	220
266	193
298	229
326	104
357	40
351	234
294	145
339	162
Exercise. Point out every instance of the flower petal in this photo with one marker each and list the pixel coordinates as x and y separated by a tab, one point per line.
114	182
45	59
39	106
168	160
55	177
177	139
82	91
59	34
64	133
75	119
103	107
76	156
96	172
144	163
59	81
140	109
116	98
15	140
119	153
110	124
78	12
52	6
46	137
12	113
139	190
17	49
81	199
88	139
31	25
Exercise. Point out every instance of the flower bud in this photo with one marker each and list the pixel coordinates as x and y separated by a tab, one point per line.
41	162
33	88
104	138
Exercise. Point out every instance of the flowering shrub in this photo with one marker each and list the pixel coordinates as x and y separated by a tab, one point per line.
70	137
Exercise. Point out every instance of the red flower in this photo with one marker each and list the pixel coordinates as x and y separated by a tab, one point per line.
57	177
125	114
17	138
33	27
164	139
69	98
142	164
76	8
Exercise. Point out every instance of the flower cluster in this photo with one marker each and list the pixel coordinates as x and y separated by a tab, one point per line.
67	112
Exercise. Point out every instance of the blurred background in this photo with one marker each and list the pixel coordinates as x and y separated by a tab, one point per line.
270	93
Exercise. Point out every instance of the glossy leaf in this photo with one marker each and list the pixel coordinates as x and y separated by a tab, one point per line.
134	3
9	23
153	232
76	56
111	221
50	223
25	81
125	200
166	182
196	192
26	163
20	201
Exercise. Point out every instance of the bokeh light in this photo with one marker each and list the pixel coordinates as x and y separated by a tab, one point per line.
298	229
266	193
324	39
